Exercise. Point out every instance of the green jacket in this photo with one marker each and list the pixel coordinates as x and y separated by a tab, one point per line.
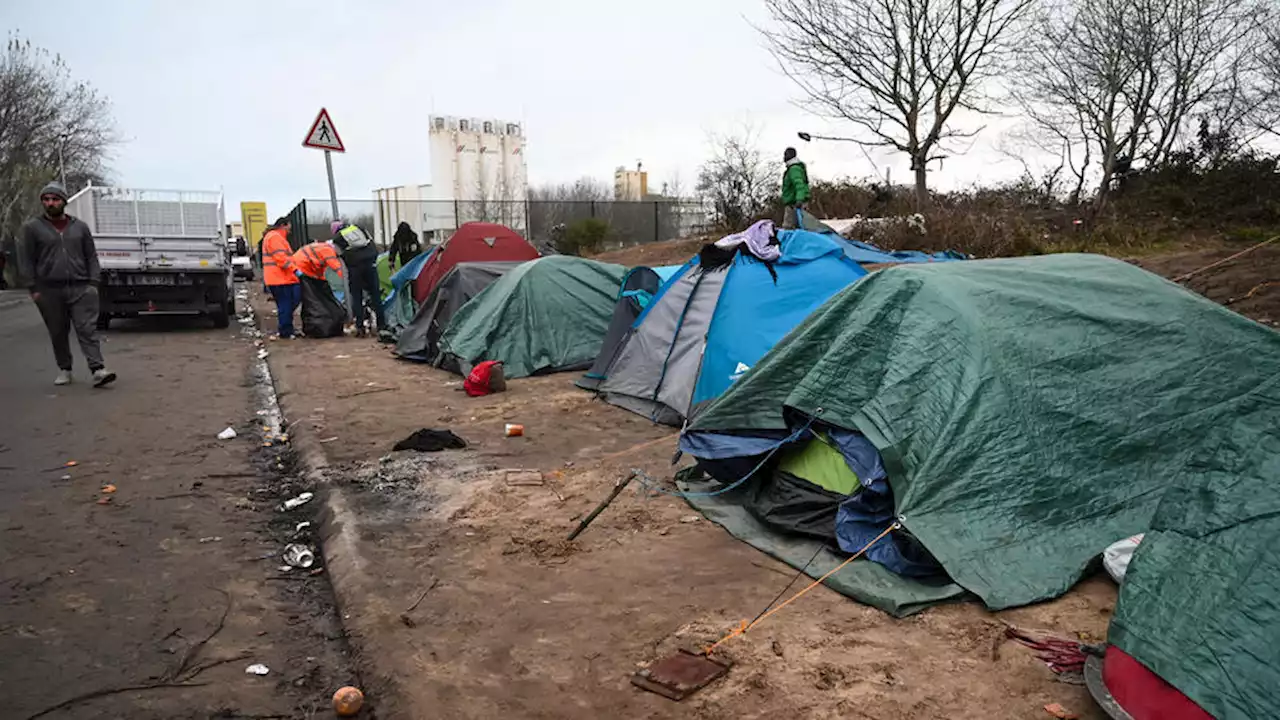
795	183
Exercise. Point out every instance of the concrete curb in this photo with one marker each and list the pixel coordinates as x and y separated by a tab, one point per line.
6	303
338	535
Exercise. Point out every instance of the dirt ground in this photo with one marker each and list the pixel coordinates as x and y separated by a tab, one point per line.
519	622
168	583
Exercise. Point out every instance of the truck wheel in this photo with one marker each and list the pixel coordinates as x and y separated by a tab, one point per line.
104	321
221	318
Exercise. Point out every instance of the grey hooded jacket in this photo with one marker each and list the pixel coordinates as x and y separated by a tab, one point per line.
49	257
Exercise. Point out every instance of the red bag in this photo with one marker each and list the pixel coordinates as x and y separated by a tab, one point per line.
485	378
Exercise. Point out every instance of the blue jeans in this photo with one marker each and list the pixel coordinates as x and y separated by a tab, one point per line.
288	298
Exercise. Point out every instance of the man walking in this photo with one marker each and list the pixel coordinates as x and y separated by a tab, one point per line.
795	188
56	252
361	256
281	275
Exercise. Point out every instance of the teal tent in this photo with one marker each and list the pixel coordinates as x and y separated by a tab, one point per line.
545	315
1029	412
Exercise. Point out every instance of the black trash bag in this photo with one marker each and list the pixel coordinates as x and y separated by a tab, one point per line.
322	315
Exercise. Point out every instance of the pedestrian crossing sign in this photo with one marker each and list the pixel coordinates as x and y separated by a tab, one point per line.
323	135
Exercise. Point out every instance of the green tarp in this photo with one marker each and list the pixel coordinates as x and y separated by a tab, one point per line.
546	315
1032	411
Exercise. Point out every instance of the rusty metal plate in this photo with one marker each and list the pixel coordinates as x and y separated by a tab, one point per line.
680	675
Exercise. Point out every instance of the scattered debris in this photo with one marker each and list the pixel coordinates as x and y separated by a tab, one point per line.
347	701
299	501
257	669
104	500
327	440
108	488
366	392
521	478
262	354
302	526
298	555
65	477
430	440
680	675
227	434
341	357
690	519
211	538
515	430
617	489
1056	710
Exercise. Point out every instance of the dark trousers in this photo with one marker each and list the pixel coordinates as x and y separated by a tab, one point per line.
364	284
66	307
288	298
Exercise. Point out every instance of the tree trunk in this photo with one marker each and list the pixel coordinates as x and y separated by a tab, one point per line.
922	185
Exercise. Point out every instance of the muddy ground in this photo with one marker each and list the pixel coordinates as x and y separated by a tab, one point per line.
170	583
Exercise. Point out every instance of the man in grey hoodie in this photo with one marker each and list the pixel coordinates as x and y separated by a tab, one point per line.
56	252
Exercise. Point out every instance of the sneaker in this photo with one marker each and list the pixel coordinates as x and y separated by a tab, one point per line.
103	377
64	378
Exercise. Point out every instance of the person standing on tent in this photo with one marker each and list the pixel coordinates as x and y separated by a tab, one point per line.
281	275
361	256
795	188
404	244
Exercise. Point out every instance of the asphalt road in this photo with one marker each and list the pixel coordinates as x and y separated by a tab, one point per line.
100	590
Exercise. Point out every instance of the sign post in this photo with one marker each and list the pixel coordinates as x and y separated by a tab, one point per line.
324	136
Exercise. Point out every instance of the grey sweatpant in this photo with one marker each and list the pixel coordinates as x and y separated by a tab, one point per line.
65	307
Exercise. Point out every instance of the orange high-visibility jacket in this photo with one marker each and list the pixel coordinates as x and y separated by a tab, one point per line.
312	259
277	259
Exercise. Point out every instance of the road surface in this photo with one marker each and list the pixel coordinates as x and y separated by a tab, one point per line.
100	590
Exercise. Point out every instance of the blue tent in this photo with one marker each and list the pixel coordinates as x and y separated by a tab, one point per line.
705	328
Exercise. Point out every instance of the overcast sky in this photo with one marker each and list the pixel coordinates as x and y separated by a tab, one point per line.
210	95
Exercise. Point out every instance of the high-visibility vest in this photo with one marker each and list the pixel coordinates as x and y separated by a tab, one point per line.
277	259
354	237
315	258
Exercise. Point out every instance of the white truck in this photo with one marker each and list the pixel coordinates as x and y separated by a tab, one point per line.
161	251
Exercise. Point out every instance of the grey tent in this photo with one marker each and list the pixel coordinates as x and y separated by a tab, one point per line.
420	339
638	288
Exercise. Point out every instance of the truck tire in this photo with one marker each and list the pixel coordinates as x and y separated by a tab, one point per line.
221	318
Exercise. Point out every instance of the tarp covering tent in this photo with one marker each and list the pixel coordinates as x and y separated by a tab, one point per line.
420	339
638	288
869	254
704	329
473	242
1029	412
546	315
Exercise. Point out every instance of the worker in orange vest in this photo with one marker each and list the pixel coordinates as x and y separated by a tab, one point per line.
323	314
313	259
281	275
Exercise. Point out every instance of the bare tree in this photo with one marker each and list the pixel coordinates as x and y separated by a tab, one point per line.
736	179
1265	113
897	69
1119	82
553	207
45	115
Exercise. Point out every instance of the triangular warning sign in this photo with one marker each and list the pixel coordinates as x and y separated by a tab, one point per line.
323	135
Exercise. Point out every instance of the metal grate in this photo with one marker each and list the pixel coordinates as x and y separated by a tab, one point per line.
169	213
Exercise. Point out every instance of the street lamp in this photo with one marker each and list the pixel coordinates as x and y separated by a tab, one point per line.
809	137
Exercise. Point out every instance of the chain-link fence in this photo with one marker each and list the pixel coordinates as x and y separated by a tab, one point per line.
539	221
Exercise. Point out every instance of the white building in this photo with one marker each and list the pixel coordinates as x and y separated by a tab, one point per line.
478	172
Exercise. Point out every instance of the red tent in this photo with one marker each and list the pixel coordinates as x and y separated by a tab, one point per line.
473	242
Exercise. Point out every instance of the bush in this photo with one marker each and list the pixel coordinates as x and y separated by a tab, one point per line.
583	237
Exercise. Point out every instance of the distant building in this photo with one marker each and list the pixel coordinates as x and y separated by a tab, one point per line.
478	173
630	185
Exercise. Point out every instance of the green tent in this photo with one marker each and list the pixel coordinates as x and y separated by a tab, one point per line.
545	315
1031	411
